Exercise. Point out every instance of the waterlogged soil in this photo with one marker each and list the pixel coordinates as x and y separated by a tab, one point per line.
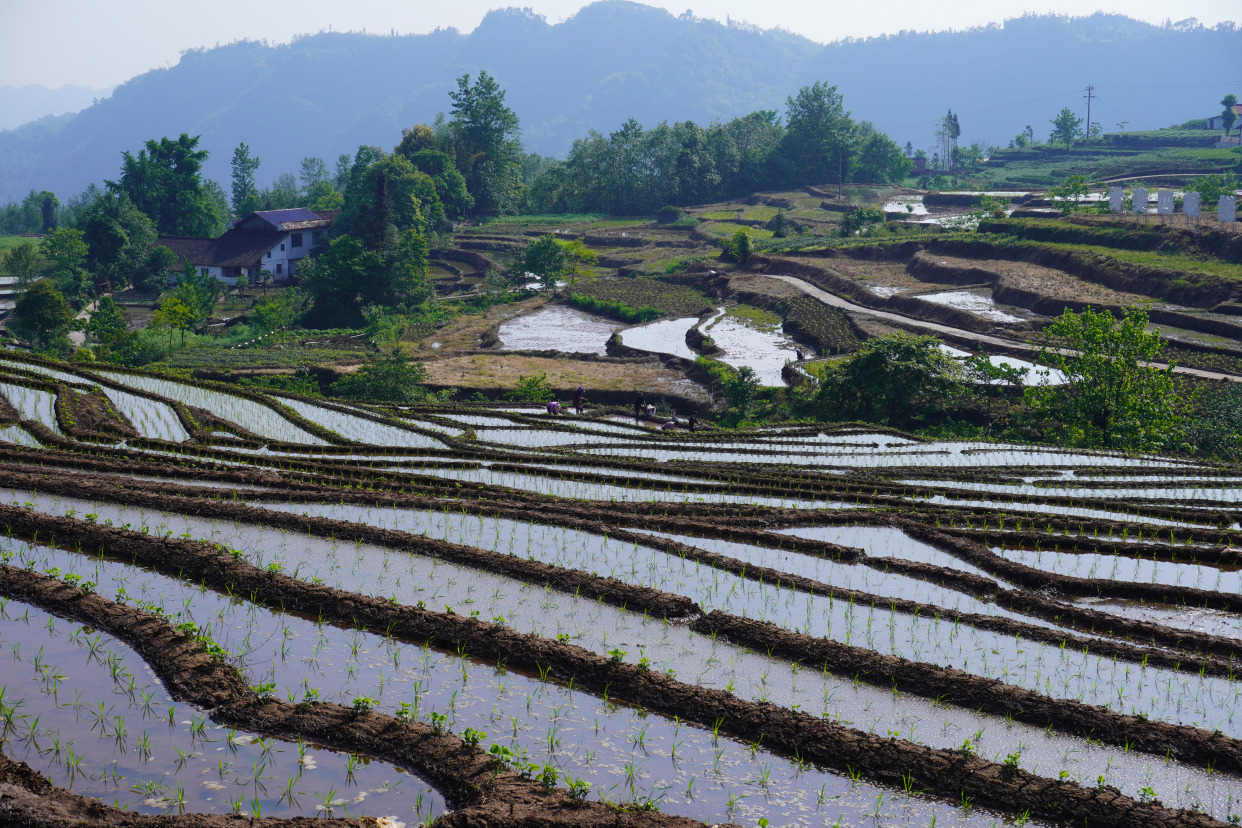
667	336
815	735
763	690
557	328
133	747
627	755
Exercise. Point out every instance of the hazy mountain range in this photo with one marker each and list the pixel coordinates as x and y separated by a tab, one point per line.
325	94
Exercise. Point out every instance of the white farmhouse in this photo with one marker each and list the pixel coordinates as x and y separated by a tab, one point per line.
271	240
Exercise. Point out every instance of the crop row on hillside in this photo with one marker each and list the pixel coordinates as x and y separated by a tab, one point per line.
670	299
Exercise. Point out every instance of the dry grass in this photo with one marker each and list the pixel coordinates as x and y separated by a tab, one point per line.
463	332
502	371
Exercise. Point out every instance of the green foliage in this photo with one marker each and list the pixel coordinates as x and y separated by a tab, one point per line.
534	388
119	238
42	317
741	389
544	258
1065	128
819	136
163	181
115	342
300	382
174	314
245	194
22	263
386	378
669	214
1228	116
858	220
1071	194
351	276
65	252
739	246
890	380
1212	187
615	309
485	137
1216	428
1110	398
665	298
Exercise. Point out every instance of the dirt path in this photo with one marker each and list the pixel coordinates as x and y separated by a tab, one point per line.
958	333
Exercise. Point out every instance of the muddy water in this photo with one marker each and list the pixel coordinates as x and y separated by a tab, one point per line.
1122	568
978	303
603	628
626	755
87	713
1051	509
557	328
1035	374
359	429
668	336
18	435
1192	491
766	352
591	490
32	404
886	542
246	413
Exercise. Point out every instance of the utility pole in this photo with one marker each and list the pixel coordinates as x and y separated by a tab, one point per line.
1089	96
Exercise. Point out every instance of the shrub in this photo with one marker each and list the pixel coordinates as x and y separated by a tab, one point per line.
669	214
388	378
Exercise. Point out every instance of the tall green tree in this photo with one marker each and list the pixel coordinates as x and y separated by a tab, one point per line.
890	380
119	239
114	342
487	142
22	263
819	133
1227	116
1110	397
65	252
164	181
544	259
1065	128
42	317
245	198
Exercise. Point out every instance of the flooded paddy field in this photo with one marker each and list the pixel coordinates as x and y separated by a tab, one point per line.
231	602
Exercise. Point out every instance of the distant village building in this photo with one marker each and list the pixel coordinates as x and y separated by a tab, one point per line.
1218	121
271	240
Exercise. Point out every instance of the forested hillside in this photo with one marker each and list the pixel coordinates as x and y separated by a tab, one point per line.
329	93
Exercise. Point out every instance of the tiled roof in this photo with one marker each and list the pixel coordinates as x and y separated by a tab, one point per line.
236	248
278	217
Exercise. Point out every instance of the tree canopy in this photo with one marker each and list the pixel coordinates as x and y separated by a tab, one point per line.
1110	398
890	380
163	181
486	139
42	316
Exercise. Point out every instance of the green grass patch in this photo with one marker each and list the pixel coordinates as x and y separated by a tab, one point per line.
620	222
719	215
615	309
1166	260
13	241
728	228
754	317
759	212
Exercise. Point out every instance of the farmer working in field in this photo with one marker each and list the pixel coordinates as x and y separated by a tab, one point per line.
579	398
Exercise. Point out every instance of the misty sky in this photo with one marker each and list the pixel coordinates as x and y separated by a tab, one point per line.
100	43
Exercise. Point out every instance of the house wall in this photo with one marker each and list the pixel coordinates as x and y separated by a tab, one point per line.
281	261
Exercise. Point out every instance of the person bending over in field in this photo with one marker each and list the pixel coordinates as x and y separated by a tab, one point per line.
554	407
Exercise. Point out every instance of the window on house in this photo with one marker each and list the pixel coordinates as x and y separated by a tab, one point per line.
203	271
295	240
279	268
282	247
269	254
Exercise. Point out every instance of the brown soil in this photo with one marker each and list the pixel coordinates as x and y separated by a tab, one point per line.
502	371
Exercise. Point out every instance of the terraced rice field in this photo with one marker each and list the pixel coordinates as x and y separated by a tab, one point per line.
217	602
